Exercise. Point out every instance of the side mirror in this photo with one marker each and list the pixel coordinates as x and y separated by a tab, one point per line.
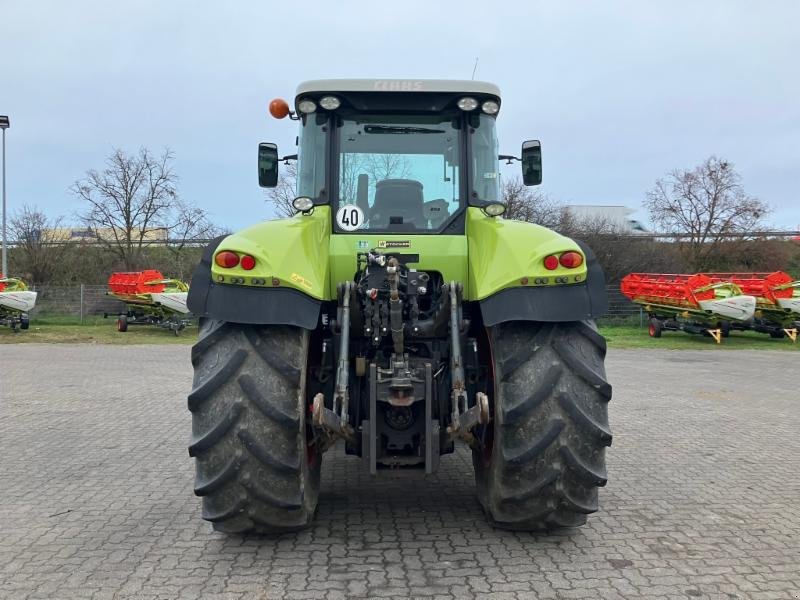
532	162
267	165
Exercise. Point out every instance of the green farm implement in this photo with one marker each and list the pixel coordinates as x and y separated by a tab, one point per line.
777	301
16	301
150	299
397	313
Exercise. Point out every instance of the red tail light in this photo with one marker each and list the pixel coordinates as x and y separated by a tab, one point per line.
248	262
571	260
551	262
226	259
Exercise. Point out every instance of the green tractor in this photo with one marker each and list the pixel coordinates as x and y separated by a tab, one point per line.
399	313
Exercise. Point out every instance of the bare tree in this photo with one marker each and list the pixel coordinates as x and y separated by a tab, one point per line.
189	224
706	202
386	166
533	206
282	195
40	243
134	196
377	166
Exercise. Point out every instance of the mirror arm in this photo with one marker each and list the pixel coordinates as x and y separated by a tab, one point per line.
288	157
509	158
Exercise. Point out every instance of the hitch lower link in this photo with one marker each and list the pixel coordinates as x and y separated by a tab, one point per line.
463	418
334	423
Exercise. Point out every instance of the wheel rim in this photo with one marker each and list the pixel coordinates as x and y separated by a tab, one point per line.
652	330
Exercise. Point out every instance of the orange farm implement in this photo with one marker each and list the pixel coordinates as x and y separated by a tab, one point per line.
690	303
150	299
16	301
777	297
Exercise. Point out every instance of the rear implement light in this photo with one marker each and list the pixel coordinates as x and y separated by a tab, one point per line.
571	260
551	262
226	259
248	262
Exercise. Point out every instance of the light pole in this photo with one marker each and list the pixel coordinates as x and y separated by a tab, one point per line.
4	124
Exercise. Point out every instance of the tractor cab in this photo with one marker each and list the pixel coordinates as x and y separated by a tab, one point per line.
396	156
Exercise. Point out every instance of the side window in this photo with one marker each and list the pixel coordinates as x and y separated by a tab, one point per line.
311	156
485	165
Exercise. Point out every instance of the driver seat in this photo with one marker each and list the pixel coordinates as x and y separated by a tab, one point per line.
398	198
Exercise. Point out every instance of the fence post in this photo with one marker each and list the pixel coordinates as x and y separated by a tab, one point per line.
81	304
641	317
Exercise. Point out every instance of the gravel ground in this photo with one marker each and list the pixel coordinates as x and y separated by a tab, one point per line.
96	494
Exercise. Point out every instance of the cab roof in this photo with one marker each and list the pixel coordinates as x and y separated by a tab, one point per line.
457	86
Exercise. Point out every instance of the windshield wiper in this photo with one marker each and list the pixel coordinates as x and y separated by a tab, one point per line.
399	129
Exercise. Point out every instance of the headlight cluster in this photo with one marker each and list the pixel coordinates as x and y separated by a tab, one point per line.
467	103
308	106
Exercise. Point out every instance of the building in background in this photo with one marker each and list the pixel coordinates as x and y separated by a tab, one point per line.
618	217
82	234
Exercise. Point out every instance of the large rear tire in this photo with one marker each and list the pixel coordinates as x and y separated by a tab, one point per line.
254	468
545	457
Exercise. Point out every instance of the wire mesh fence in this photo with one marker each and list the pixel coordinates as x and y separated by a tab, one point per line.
621	310
75	301
82	301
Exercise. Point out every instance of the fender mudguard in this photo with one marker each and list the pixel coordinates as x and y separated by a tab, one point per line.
575	302
245	304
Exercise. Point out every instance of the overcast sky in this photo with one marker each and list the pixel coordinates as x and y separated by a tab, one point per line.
618	92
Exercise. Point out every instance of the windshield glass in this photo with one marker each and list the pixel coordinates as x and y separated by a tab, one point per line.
398	173
485	166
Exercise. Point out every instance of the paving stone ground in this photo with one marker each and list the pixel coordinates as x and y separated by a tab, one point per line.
96	500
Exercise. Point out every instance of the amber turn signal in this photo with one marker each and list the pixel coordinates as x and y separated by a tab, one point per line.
227	259
571	260
279	108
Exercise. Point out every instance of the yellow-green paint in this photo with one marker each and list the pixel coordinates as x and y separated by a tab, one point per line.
289	253
302	253
446	254
503	253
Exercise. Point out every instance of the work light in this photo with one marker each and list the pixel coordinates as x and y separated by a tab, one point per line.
467	103
303	203
306	106
490	107
330	102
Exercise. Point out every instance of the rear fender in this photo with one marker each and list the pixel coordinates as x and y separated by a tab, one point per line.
509	280
288	283
573	302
